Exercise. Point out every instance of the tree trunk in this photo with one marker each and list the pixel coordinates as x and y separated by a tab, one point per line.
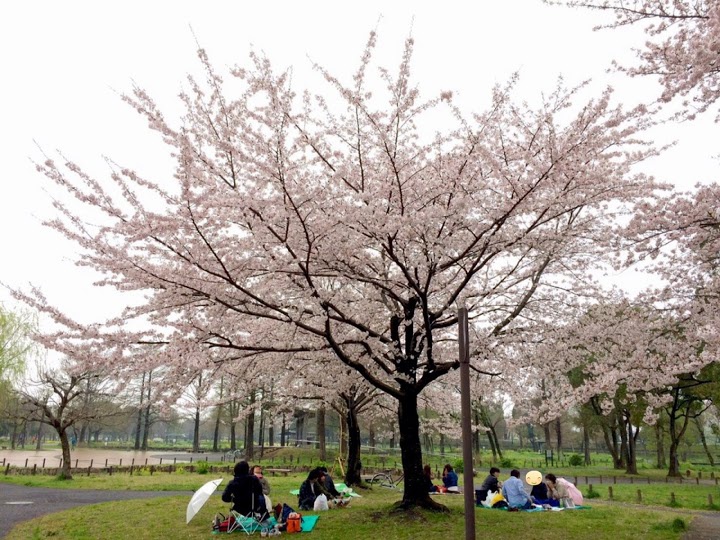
320	431
218	416
442	444
138	425
548	436
675	412
703	440
38	442
66	470
283	432
415	493
660	446
674	462
631	458
343	435
371	438
558	436
586	444
494	436
476	433
250	430
146	431
196	431
491	442
352	471
261	431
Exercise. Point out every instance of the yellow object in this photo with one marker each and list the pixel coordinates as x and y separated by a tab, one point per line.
533	478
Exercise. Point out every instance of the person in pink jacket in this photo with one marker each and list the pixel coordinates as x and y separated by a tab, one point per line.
562	490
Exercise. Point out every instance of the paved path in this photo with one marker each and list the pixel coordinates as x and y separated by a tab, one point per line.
21	503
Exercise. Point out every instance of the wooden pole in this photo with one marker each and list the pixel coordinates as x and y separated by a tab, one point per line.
466	422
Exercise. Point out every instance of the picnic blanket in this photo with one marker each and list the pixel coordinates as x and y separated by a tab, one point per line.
308	523
540	508
342	488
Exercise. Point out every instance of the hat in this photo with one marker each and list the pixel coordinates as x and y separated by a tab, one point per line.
533	478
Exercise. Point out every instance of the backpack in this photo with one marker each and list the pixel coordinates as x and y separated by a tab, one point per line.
294	523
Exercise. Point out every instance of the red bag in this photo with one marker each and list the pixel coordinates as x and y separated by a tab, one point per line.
222	524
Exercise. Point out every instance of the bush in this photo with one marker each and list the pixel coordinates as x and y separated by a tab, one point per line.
591	493
576	460
459	466
507	463
202	467
678	525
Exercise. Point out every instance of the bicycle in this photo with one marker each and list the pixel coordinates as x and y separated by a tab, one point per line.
385	479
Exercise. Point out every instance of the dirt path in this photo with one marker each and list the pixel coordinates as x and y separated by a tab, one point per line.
705	526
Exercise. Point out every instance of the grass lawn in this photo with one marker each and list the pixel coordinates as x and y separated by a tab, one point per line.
367	517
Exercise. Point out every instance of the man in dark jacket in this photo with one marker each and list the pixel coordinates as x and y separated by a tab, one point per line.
491	483
245	491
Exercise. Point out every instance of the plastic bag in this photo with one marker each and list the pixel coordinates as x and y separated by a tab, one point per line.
321	503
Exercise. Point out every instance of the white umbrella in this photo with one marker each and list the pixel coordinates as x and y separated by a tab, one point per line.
200	497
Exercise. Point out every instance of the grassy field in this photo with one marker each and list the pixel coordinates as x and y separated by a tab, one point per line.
368	517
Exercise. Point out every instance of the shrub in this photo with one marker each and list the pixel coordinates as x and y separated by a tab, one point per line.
202	467
575	460
507	463
591	493
459	466
678	525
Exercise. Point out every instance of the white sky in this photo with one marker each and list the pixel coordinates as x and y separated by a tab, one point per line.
63	64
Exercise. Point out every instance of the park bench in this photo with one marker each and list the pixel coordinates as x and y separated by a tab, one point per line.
273	472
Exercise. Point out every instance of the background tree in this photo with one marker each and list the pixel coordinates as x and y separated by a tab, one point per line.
56	399
16	348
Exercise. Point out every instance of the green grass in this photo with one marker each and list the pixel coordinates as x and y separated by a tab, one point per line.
687	496
367	517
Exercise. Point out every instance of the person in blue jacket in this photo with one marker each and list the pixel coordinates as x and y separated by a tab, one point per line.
450	478
514	492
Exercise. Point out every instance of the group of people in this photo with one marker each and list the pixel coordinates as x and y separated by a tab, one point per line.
319	482
449	478
552	492
249	492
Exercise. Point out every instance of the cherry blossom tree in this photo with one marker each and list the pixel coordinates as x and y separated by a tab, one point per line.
341	225
683	48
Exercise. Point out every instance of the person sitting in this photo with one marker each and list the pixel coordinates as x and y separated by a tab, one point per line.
564	492
245	491
450	479
258	473
310	489
514	492
539	495
491	483
427	476
328	483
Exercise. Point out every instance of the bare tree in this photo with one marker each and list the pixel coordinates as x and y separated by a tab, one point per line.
57	397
